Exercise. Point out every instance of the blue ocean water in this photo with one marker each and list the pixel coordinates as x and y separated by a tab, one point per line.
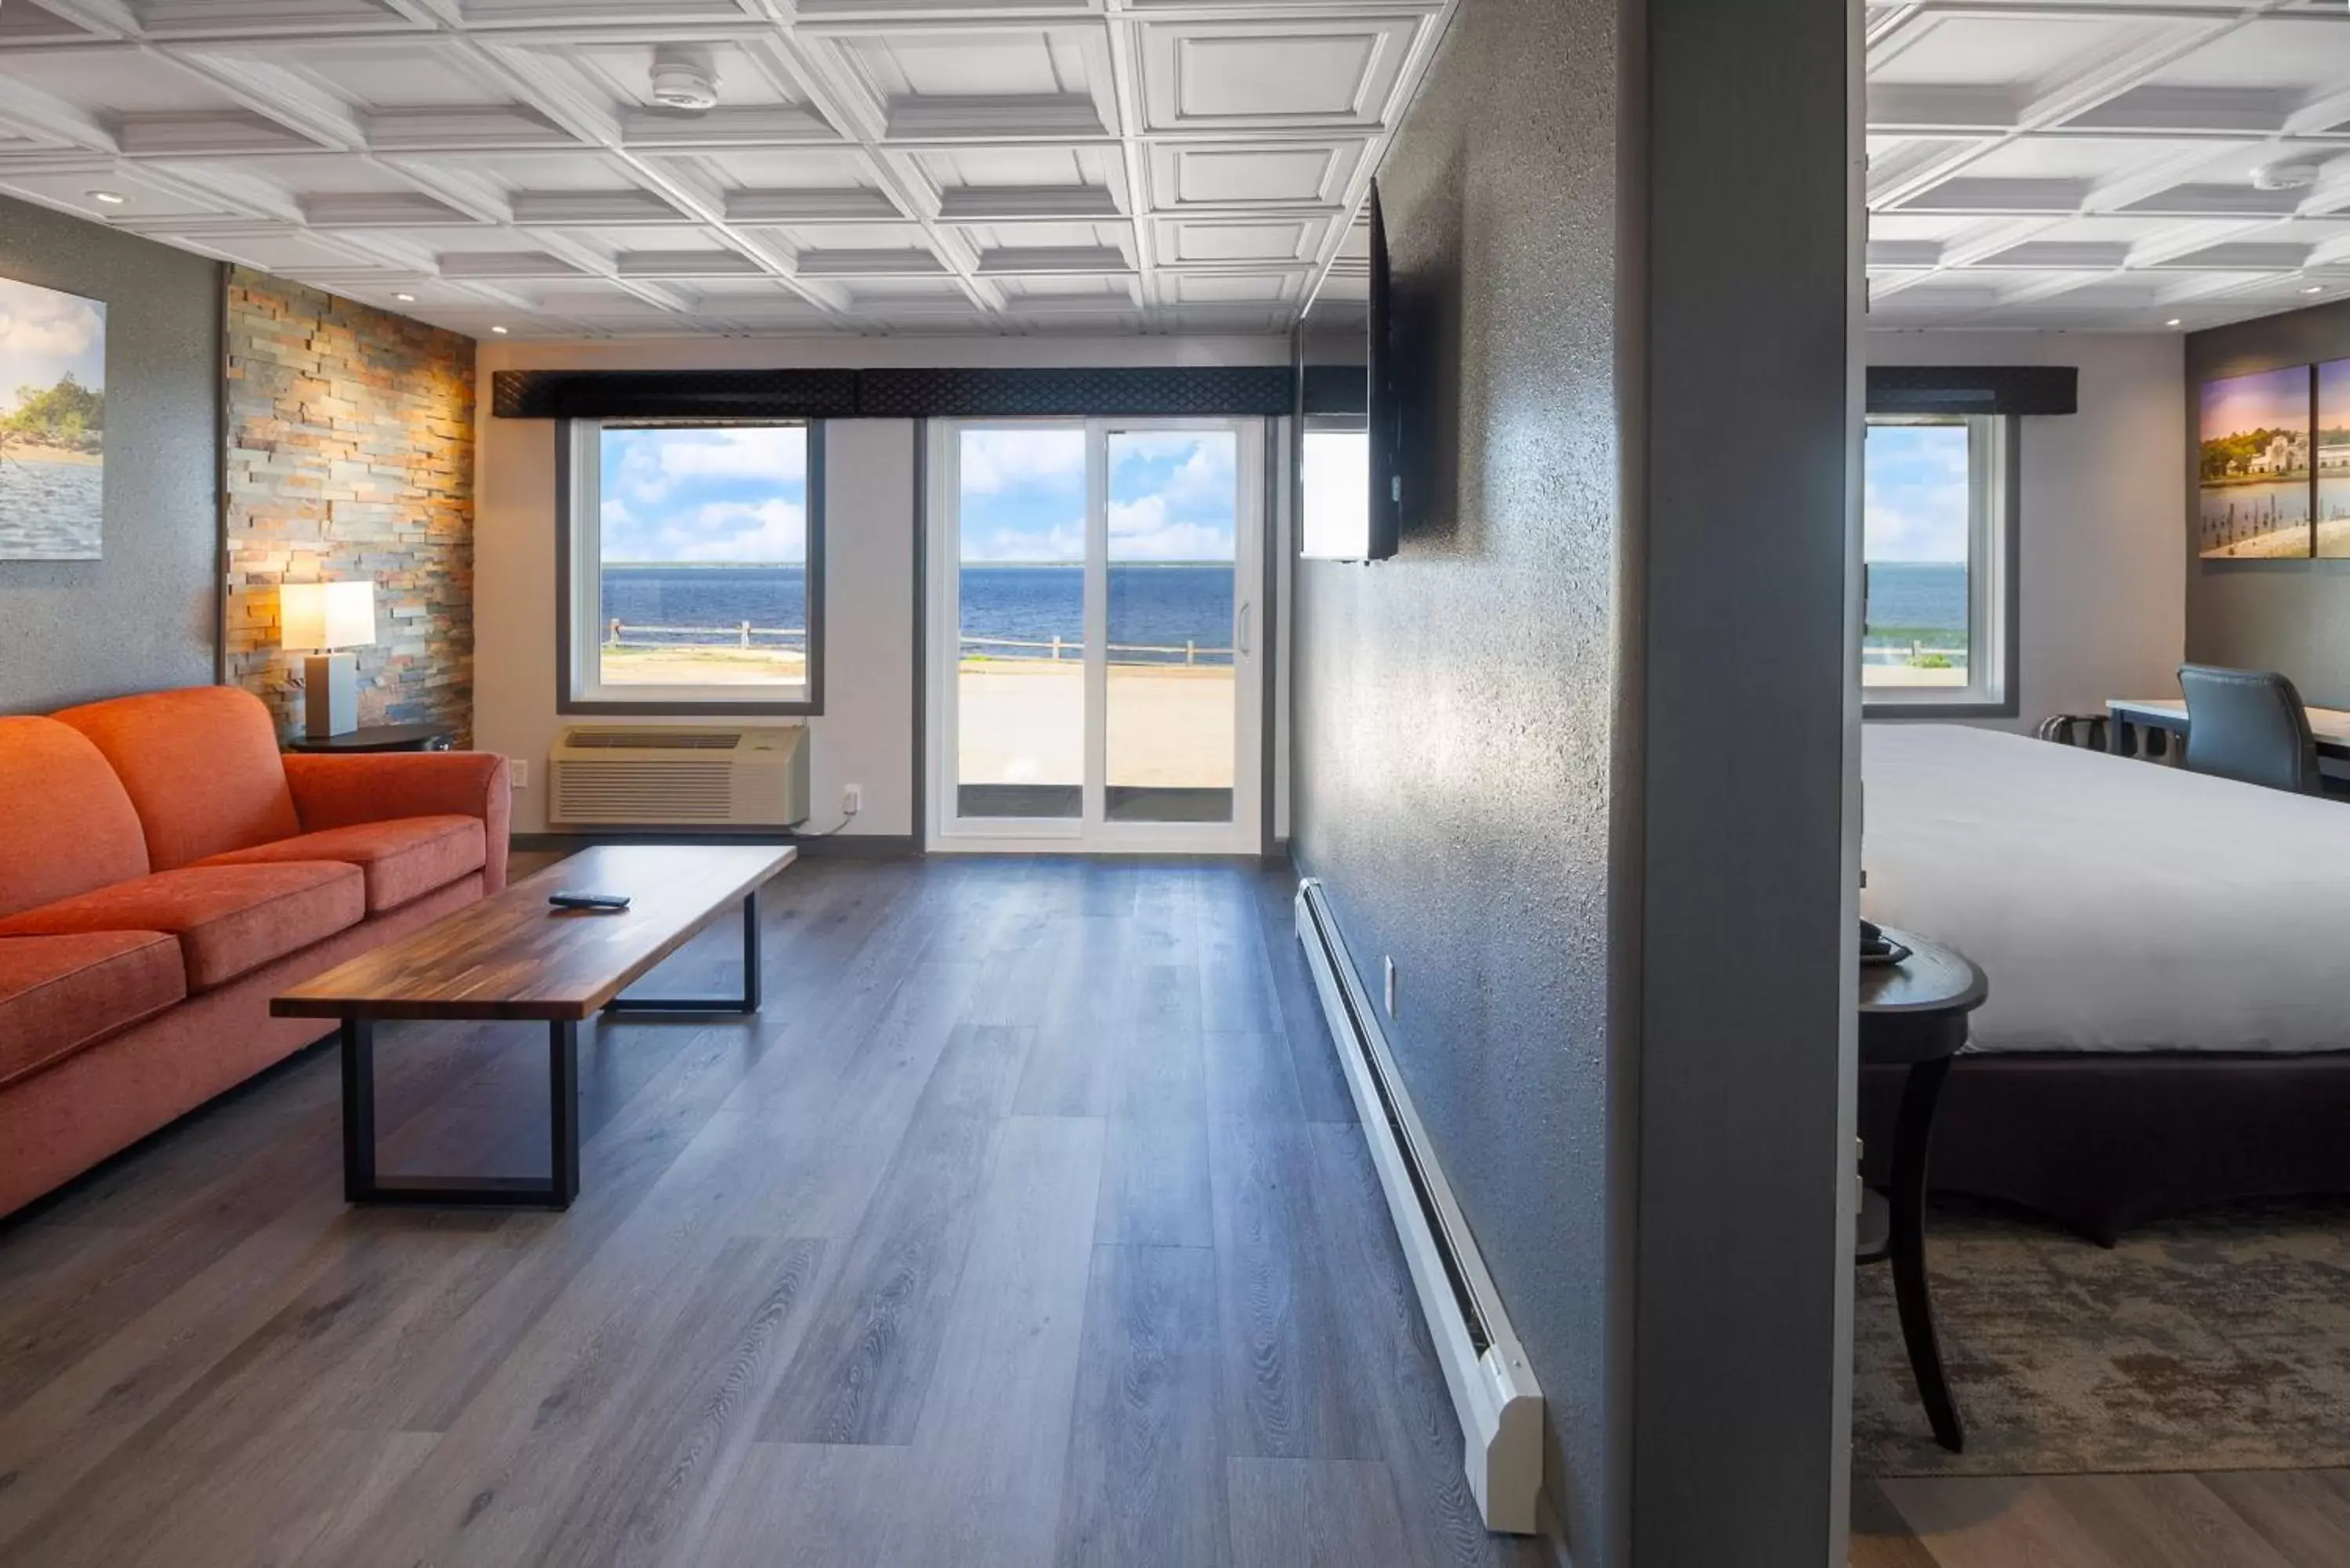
1930	594
50	511
1152	606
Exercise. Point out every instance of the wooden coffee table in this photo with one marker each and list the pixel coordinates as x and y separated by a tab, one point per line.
512	955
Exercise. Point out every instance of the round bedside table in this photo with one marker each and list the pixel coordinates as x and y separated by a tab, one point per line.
1914	1015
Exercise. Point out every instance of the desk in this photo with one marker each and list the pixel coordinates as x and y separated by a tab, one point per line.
2330	725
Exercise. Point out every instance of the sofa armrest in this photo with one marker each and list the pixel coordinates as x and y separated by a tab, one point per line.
339	791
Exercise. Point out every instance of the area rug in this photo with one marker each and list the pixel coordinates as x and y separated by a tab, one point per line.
2220	1342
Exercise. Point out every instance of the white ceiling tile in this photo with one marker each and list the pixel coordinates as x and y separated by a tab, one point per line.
1188	175
1303	73
116	80
147	198
2089	164
920	165
934	83
173	19
30	22
1276	238
2015	50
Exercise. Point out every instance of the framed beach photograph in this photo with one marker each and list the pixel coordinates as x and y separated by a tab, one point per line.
52	424
2334	459
2255	467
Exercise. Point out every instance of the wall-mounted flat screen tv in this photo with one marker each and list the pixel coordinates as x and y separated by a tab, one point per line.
1347	502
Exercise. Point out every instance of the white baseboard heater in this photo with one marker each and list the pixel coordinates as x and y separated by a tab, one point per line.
1494	1389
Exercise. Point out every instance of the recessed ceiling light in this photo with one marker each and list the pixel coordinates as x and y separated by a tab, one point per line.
499	330
2314	288
2173	322
405	298
109	198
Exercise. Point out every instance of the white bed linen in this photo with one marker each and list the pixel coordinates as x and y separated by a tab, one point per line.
2116	905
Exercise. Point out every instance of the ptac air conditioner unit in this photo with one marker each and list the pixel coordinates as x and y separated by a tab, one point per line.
676	775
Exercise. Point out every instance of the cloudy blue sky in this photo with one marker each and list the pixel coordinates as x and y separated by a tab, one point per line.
1917	493
2271	399
742	494
1171	494
705	494
43	334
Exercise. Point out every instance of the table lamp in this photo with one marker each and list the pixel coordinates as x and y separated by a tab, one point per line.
320	618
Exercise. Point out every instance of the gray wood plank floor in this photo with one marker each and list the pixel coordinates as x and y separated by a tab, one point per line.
2238	1519
1026	1225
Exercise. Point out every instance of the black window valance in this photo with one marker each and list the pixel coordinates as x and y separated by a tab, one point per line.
673	394
1337	390
1111	391
1973	389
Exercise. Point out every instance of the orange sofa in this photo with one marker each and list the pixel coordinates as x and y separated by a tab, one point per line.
164	871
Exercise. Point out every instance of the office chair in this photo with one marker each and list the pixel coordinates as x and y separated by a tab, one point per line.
2247	724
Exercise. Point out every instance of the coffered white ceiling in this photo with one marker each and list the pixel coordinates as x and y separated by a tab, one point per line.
869	165
2082	164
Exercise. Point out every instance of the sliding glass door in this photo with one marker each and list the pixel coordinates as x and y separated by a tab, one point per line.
1095	612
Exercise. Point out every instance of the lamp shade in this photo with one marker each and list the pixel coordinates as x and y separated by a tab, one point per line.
326	615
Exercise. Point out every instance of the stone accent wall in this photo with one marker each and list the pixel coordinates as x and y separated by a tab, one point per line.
350	454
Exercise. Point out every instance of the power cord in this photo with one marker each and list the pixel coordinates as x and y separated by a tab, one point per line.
847	818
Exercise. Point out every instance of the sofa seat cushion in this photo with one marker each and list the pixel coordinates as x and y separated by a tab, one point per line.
229	919
401	859
58	994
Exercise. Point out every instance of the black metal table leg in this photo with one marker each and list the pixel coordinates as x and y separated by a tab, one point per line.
747	1002
358	1110
1913	1135
562	1110
555	1190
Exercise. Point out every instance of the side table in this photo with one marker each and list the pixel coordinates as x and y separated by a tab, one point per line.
1914	1015
379	738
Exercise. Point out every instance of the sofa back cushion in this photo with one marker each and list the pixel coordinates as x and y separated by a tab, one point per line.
201	766
66	825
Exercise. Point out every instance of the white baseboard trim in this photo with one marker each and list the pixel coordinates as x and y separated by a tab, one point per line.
1494	1390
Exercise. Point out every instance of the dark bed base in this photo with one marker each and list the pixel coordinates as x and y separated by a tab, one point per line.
2104	1143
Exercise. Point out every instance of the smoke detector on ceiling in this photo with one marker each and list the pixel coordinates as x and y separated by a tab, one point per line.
684	80
2288	174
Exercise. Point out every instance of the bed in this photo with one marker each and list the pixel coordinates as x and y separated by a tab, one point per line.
2168	1024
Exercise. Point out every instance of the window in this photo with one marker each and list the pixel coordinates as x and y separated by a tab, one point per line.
1335	479
1939	543
695	559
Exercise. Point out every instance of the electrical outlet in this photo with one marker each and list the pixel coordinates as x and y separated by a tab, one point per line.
852	799
519	771
1391	987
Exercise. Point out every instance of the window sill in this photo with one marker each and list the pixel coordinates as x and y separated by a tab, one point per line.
695	705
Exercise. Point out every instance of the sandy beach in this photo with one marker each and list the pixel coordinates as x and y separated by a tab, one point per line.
1022	721
1876	675
2289	543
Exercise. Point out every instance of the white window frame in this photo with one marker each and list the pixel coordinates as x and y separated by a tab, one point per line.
1990	689
1091	830
580	688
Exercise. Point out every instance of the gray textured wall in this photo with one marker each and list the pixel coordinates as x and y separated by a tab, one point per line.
1751	684
146	616
1577	758
2292	615
1454	711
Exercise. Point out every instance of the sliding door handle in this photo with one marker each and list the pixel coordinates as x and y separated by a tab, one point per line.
1242	640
